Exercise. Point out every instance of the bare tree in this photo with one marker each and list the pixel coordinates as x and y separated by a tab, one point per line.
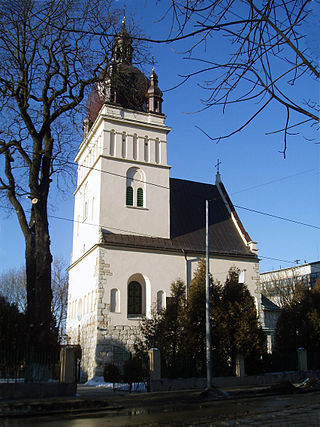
49	56
266	55
279	287
13	288
59	304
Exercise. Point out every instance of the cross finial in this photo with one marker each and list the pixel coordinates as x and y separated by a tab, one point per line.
218	166
124	16
152	61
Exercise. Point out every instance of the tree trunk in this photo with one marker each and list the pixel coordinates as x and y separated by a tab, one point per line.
39	296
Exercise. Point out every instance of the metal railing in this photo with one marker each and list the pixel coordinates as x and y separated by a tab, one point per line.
19	366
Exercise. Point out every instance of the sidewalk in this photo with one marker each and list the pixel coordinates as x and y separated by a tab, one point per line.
93	399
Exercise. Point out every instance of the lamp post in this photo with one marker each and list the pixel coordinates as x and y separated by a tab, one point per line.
208	329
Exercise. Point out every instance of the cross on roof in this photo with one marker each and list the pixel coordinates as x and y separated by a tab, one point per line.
218	166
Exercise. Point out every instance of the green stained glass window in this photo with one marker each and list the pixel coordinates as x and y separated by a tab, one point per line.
129	196
140	197
134	299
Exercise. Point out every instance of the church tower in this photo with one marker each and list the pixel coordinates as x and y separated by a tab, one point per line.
122	188
123	175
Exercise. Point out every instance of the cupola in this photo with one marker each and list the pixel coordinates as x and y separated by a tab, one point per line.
154	95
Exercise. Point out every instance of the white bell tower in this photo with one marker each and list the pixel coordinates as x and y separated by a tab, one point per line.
123	175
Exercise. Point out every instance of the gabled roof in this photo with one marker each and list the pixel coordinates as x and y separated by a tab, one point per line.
268	304
187	224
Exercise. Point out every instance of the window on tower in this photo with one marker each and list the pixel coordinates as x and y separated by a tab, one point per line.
129	196
146	149
157	150
135	188
140	197
135	146
124	145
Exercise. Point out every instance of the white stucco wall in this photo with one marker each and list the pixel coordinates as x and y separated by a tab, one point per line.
159	270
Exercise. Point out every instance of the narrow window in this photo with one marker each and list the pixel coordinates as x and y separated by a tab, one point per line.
140	198
112	136
124	146
85	213
129	196
157	148
114	301
92	208
146	149
160	301
134	299
135	146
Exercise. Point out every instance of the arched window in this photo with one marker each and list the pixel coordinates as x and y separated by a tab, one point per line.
134	299
146	149
112	138
124	145
135	146
160	301
114	301
157	150
85	202
140	197
135	188
129	196
79	311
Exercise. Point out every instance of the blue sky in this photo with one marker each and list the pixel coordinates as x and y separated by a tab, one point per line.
253	170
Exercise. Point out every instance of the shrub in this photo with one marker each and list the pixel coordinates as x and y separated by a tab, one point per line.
111	373
133	371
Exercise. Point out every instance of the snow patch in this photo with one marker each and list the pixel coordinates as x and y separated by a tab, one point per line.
99	382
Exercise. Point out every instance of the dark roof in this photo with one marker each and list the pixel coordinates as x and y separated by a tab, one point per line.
268	305
187	223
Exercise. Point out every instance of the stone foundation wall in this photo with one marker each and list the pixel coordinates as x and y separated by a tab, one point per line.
114	344
86	336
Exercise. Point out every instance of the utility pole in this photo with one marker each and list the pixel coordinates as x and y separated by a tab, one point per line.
208	331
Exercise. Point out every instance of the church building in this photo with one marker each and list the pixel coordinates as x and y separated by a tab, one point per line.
136	230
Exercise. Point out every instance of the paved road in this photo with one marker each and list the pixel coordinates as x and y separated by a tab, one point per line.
285	410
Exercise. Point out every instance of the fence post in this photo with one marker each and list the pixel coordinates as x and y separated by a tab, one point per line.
154	364
68	365
240	369
302	359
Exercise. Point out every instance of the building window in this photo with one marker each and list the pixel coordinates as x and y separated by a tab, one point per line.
114	301
140	197
160	301
92	208
112	138
124	146
146	149
134	299
129	196
157	151
135	146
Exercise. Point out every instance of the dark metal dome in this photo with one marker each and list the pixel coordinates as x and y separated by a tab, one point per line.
124	85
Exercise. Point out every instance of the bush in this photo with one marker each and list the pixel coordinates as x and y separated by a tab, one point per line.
133	371
111	373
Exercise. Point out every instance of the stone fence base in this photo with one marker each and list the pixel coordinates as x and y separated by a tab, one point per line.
36	390
221	382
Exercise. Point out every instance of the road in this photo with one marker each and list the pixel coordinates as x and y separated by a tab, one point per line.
279	410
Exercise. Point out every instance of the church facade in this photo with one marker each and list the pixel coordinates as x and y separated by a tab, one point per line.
136	230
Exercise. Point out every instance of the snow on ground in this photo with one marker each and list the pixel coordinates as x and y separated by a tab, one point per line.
99	382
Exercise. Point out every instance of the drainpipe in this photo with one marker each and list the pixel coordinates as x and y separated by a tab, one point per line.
186	271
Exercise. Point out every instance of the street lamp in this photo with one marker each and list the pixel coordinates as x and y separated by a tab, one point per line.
208	328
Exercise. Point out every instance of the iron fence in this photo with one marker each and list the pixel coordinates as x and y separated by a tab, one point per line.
20	366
